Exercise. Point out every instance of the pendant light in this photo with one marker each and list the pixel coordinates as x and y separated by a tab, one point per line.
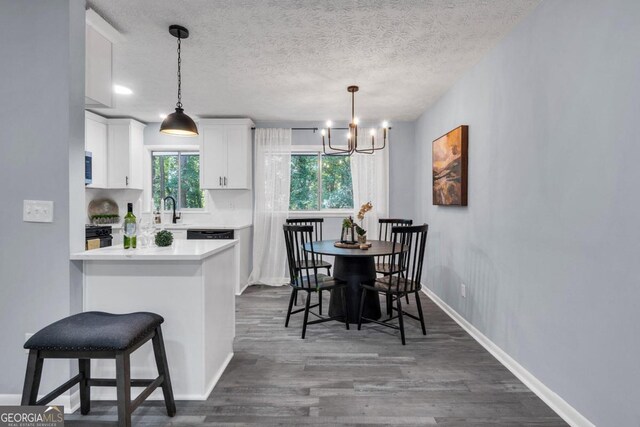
179	123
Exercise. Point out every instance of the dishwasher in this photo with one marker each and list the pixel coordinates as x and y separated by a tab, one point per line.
209	234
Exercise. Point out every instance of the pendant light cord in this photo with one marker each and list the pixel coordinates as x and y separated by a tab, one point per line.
179	103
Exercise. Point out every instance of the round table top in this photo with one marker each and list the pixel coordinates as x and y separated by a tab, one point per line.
378	248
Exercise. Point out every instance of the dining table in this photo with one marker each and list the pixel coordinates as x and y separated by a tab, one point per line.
354	266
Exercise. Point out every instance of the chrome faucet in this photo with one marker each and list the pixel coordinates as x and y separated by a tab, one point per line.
174	217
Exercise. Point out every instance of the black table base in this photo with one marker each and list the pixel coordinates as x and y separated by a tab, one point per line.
355	270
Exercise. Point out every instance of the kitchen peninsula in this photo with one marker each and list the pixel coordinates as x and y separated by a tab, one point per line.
192	285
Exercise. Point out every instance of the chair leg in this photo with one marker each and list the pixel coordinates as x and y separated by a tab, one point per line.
424	330
360	307
123	389
32	379
294	297
306	316
389	305
320	303
84	366
400	320
163	369
345	307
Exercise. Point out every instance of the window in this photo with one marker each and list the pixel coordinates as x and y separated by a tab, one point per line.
177	174
320	182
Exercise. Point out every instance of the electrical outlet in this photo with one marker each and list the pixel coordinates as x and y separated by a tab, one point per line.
26	338
37	211
463	290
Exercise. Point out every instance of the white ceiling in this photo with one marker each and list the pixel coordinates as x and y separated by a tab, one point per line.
293	59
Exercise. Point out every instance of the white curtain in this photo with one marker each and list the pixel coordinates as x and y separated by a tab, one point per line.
272	187
370	175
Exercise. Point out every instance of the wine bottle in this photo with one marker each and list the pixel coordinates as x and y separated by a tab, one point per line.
130	228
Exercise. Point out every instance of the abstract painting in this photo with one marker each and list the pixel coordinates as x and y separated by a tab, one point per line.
450	168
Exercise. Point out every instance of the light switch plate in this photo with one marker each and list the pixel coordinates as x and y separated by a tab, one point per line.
37	211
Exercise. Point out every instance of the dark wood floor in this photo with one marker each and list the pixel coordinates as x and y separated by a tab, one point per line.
337	377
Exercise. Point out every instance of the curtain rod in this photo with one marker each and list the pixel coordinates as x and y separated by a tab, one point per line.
316	129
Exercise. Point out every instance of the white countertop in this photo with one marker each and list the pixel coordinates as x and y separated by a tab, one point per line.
205	226
186	250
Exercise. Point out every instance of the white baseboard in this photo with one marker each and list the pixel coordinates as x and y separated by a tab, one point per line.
71	402
246	285
548	396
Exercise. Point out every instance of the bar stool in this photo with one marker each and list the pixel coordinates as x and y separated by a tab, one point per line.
98	335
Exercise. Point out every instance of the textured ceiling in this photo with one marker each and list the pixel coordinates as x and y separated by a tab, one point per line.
293	59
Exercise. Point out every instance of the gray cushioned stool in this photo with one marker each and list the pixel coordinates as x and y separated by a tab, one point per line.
97	335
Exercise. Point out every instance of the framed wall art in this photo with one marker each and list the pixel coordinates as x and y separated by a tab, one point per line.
449	166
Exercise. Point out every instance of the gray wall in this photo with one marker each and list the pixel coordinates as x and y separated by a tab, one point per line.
42	158
549	243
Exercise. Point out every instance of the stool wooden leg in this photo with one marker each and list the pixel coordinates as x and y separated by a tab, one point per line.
163	369
32	379
84	366
123	389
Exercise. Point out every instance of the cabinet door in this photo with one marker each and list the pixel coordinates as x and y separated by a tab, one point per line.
213	157
98	78
118	156
136	154
95	141
238	157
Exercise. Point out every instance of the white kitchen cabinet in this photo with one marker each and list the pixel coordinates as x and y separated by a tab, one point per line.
125	153
225	156
95	134
100	37
98	70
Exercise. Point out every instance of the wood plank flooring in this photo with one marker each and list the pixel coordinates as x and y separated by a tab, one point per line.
337	377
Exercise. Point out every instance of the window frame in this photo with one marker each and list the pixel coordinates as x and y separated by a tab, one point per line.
148	181
327	213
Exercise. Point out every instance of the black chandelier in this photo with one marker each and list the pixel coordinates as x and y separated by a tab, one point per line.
352	135
179	123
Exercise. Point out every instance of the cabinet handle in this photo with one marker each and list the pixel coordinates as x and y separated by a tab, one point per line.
126	180
220	181
225	181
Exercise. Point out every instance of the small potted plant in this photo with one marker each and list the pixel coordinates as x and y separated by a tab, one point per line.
351	231
164	238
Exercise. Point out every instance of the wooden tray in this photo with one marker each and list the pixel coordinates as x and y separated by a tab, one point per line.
352	245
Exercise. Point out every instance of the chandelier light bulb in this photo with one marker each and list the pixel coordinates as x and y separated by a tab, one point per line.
372	132
356	121
329	123
348	135
323	132
385	124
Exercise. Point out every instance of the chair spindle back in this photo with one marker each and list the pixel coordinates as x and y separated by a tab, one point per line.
414	238
384	233
303	268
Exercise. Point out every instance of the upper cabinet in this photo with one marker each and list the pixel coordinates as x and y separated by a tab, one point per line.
100	37
125	145
95	137
116	147
225	156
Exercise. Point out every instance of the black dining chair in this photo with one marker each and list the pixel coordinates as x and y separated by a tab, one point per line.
384	265
405	280
304	276
317	236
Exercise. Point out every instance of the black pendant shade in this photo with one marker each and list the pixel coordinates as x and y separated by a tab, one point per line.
179	123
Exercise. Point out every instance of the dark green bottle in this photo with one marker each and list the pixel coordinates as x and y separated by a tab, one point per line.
130	228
